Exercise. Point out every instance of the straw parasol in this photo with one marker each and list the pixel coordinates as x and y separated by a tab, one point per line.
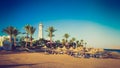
80	48
58	49
71	49
64	48
45	48
75	50
92	51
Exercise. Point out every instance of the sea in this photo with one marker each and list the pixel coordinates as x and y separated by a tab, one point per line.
113	50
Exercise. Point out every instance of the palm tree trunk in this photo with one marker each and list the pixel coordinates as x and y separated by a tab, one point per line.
14	41
76	44
26	40
10	39
66	40
50	39
66	43
31	41
11	44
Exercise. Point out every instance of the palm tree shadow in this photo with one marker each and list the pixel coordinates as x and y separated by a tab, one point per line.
15	65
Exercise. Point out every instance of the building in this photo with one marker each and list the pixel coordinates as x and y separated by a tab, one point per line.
2	38
40	31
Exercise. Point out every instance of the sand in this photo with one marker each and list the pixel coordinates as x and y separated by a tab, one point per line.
40	60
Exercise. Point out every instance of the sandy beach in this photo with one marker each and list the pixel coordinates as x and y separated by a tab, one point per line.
40	60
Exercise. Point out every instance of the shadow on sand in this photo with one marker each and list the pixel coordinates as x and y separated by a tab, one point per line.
15	65
28	65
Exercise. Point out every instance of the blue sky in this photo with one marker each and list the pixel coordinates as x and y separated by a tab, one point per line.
95	21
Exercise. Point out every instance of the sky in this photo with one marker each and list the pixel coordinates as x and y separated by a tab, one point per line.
97	22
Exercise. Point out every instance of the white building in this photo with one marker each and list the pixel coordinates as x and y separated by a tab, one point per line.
2	38
40	31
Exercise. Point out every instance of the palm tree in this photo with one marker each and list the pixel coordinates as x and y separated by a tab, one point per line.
73	39
77	43
31	32
66	36
50	30
27	31
63	42
70	43
85	44
81	42
15	33
9	30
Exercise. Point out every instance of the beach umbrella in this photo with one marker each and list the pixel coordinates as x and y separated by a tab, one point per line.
45	47
80	48
75	50
71	49
92	51
58	49
64	48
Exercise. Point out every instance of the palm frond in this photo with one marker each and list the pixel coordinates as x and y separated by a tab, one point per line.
31	30
8	30
66	35
15	32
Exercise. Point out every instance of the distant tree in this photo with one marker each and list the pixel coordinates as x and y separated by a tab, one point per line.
22	38
15	33
85	44
26	27
22	41
66	36
42	42
81	43
9	30
63	42
70	43
31	32
58	43
73	39
77	43
50	31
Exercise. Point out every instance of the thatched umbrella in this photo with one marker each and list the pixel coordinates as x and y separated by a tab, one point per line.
92	52
70	52
71	49
45	47
80	48
64	49
58	50
75	50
